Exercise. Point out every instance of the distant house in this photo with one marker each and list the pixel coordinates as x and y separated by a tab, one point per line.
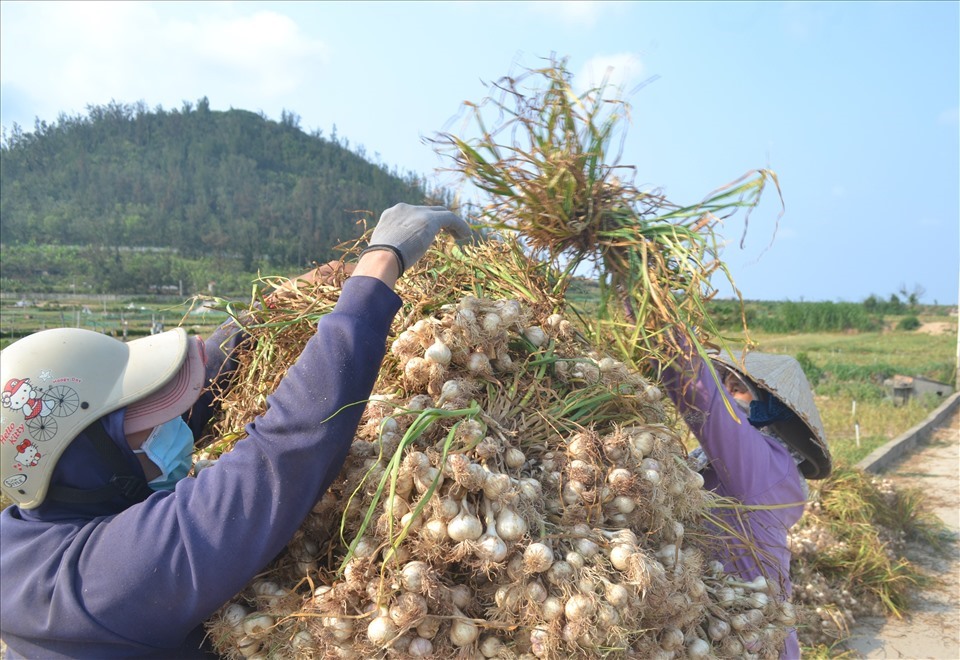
902	388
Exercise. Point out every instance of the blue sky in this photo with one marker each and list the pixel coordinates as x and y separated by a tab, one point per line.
854	105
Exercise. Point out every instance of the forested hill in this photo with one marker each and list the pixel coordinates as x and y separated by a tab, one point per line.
235	187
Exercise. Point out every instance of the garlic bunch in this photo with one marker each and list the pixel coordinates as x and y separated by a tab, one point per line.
505	532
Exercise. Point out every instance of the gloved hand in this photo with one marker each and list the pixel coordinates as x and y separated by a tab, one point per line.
408	231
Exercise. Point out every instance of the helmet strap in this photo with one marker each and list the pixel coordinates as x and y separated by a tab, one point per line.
124	481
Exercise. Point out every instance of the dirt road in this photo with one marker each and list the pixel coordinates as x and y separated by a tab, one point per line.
932	630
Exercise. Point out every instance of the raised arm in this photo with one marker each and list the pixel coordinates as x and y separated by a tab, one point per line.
743	458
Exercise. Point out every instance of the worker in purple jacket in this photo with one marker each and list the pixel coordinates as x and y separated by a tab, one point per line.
109	551
760	437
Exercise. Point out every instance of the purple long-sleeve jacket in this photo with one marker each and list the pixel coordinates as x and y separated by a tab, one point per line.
745	465
113	580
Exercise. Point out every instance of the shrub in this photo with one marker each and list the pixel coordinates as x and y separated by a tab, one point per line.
908	323
812	371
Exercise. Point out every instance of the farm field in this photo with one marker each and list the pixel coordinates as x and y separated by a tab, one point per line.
110	315
847	369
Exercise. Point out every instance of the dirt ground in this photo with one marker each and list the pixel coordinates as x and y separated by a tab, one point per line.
936	328
932	629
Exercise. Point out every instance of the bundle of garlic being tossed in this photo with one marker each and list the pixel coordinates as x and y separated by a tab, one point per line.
511	493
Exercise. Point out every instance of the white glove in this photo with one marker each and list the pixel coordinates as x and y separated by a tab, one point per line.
408	231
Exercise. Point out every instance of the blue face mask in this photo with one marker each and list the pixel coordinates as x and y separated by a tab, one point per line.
170	447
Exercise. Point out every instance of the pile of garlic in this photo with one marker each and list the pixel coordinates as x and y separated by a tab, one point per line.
829	607
505	531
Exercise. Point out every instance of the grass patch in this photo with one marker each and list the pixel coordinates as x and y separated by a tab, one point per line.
880	421
848	370
870	355
848	555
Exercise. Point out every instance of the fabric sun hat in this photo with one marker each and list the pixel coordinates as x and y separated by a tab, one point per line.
173	398
783	377
57	382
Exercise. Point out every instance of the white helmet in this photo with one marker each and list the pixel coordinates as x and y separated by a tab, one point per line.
57	382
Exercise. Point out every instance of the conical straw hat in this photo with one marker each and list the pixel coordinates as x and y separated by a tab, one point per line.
783	377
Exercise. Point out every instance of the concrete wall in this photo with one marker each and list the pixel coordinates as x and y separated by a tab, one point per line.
883	457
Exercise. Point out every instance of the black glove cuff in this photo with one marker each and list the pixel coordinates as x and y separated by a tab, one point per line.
391	248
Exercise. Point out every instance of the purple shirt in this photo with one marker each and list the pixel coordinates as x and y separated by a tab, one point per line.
141	580
748	466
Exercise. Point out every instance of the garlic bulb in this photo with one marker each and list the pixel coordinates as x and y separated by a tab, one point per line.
414	576
579	607
507	597
620	555
642	444
491	323
586	547
465	526
575	559
515	568
463	632
451	391
535	335
490	646
409	610
607	364
490	546
461	595
616	594
438	353
671	639
420	647
607	616
479	364
698	648
429	627
537	557
234	615
560	573
535	591
510	525
495	485
787	614
509	311
717	629
540	642
434	531
514	458
381	631
248	646
531	489
552	608
623	504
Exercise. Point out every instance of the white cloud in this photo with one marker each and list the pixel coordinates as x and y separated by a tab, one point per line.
787	233
949	117
623	70
571	12
803	21
69	55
